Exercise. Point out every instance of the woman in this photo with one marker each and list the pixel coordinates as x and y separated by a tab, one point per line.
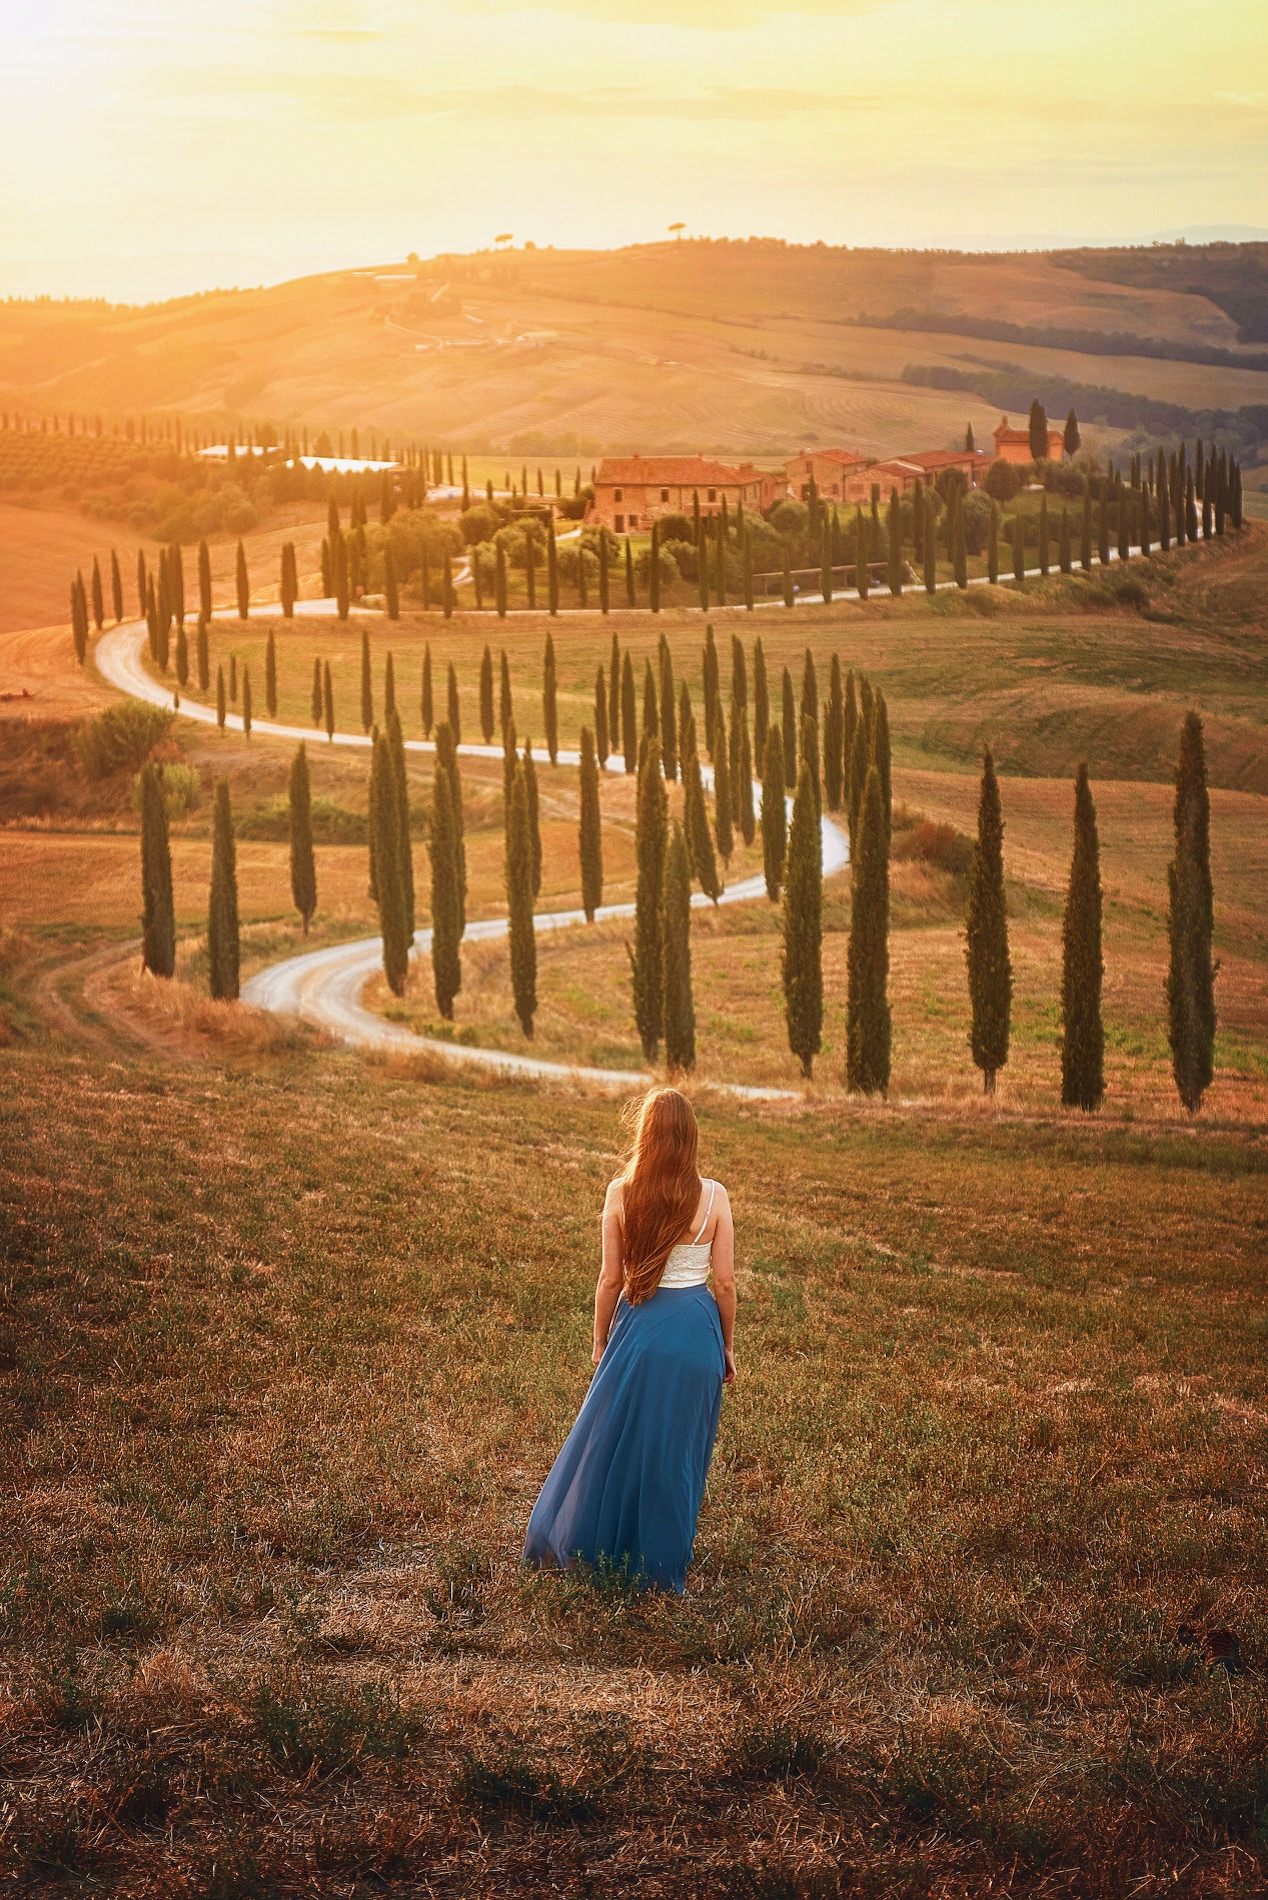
625	1490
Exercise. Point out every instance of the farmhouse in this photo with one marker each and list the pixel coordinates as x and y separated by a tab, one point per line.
632	491
828	468
906	472
1013	445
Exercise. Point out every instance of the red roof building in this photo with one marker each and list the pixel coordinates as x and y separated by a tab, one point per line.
632	491
830	468
1013	445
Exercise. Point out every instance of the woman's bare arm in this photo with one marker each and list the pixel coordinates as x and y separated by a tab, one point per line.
611	1273
724	1278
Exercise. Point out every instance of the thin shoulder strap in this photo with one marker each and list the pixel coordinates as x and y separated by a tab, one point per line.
713	1188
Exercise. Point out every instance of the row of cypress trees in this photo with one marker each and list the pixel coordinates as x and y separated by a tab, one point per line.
158	910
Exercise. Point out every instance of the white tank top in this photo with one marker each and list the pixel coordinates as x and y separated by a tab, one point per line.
689	1260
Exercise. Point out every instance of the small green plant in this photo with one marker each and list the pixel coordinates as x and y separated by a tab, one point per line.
463	1576
323	1729
509	1777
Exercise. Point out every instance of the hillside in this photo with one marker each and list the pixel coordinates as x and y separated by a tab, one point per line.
750	347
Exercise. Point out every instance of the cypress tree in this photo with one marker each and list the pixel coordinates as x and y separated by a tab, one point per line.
389	687
142	585
246	702
316	706
328	701
519	894
1045	558
552	594
1190	509
861	576
530	567
222	909
550	700
506	703
825	561
603	570
1085	540
702	560
116	584
602	744
629	716
653	571
1065	553
1124	523
98	602
788	729
1102	527
499	579
711	689
894	543
386	857
204	580
931	544
426	703
342	576
614	695
303	861
446	961
367	684
79	619
986	936
742	783
774	813
391	589
881	759
1146	538
645	957
834	738
1038	432
591	834
222	710
677	1008
802	964
918	523
1072	440
867	1007
668	713
158	913
447	755
453	713
630	598
761	700
447	599
860	759
270	672
1191	918
790	592
992	545
486	696
1082	1032
746	556
651	712
510	758
400	781
243	585
809	688
534	817
1019	553
723	806
700	850
960	550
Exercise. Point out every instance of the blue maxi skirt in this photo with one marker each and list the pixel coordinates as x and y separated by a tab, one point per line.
625	1490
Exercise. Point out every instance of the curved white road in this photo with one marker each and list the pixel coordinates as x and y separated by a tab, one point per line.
324	987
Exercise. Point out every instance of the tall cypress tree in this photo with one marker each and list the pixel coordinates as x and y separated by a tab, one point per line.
591	831
116	584
723	806
711	690
894	544
861	573
367	684
506	702
500	579
1191	923
158	913
653	570
825	561
1082	1032
603	571
992	545
270	674
447	755
867	1062
426	700
303	860
400	782
646	955
929	517
534	817
453	713
986	936
328	700
677	1007
442	844
602	743
631	599
486	696
315	708
834	738
629	715
98	600
204	580
1085	533
550	700
222	709
386	849
389	687
222	909
614	695
761	700
1038	426
668	712
788	728
774	814
519	895
243	584
552	602
802	965
1019	553
1065	552
700	850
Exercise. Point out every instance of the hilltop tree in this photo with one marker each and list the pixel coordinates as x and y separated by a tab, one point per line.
986	936
486	696
222	909
970	444
1191	921
367	684
243	584
591	838
1038	427
1072	440
802	963
774	814
443	846
867	1061
270	671
303	860
645	957
158	910
677	1007
629	715
519	894
550	700
1082	1031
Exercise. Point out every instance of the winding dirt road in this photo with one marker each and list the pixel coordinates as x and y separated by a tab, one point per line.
324	987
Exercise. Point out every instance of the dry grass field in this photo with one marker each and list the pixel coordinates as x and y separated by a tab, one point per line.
288	1337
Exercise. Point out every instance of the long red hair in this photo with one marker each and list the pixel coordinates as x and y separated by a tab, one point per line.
661	1188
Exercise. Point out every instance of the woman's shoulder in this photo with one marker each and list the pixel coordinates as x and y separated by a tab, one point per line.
615	1195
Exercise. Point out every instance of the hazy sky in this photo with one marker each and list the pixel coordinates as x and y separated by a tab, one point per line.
352	130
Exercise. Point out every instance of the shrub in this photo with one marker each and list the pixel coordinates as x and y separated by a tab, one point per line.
789	517
332	822
121	737
480	523
324	1730
684	556
181	788
977	523
930	842
1003	480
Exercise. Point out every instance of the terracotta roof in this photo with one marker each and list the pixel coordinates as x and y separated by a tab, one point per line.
945	458
848	458
674	471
